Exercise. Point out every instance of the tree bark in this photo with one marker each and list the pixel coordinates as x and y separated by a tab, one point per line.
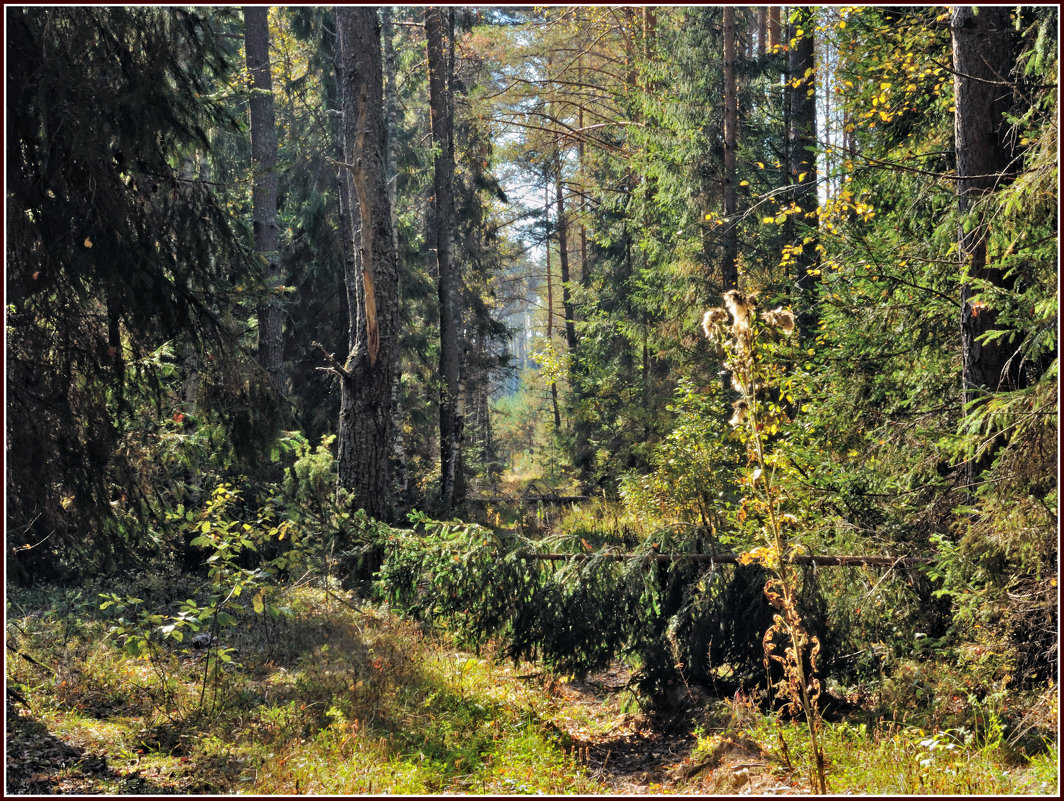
370	369
439	30
801	148
729	268
563	262
983	61
399	474
550	301
264	190
775	26
762	30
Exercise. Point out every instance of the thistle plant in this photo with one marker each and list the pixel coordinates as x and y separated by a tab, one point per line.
755	418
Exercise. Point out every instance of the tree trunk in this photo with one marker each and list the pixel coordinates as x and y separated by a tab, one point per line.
399	474
563	262
775	26
370	368
983	61
264	190
729	268
762	30
550	304
801	148
439	30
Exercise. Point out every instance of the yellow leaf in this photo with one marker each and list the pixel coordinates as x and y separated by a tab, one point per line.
801	176
744	183
87	242
760	166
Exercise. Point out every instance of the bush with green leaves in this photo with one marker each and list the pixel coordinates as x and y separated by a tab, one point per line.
232	580
693	468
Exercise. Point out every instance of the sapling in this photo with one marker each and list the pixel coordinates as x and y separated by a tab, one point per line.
754	418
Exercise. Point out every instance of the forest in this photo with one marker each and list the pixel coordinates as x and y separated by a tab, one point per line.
565	400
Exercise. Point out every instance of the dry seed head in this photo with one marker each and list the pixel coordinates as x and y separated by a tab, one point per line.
740	408
780	318
739	305
711	320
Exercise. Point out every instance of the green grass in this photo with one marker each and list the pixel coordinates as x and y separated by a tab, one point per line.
337	700
884	758
345	698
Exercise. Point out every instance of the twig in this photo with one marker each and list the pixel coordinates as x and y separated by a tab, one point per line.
335	366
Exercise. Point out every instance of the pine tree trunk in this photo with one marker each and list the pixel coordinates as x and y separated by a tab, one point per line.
563	262
729	268
370	369
550	304
775	27
398	469
801	148
762	30
983	61
264	190
439	30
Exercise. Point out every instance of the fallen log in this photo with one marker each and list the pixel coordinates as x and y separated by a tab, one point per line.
733	558
547	499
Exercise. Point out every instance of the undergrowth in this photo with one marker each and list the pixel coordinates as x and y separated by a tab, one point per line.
878	756
338	699
345	697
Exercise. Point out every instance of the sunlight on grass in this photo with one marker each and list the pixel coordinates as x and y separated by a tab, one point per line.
349	699
886	759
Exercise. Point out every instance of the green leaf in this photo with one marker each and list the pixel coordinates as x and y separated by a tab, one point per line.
226	619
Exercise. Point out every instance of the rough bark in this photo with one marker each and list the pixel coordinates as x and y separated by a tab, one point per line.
264	190
801	149
762	30
439	30
983	60
398	468
563	262
775	27
370	369
729	268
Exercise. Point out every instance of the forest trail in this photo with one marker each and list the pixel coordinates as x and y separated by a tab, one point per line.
636	754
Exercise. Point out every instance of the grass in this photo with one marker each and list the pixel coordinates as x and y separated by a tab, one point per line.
878	757
345	698
337	700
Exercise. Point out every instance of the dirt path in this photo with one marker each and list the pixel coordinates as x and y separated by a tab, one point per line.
639	754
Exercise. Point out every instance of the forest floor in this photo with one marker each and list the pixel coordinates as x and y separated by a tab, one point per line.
85	719
637	754
622	752
347	698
